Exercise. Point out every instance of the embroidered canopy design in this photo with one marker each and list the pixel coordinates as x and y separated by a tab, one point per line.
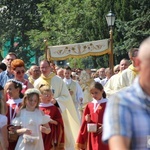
78	50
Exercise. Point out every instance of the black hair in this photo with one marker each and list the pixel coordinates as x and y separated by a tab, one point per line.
67	68
17	84
98	86
3	66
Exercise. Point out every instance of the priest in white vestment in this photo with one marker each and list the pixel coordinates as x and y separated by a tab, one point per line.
63	100
111	86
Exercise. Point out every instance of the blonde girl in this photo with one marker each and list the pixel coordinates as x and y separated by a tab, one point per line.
54	140
32	122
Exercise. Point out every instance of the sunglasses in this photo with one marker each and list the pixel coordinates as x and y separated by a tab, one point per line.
20	72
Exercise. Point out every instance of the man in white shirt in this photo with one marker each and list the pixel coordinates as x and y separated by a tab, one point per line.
102	75
108	73
63	99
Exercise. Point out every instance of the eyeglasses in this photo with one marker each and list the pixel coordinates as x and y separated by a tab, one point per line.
20	72
46	95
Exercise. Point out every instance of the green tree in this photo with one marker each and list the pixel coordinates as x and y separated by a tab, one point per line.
16	19
132	25
74	21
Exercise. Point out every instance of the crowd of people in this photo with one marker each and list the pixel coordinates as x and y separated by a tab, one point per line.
59	108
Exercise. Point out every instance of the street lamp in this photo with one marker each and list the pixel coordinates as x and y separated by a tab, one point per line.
46	48
110	18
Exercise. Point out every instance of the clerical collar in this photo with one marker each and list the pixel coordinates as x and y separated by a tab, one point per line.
68	81
14	101
103	100
45	105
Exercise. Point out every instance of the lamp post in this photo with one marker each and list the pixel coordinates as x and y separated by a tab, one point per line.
46	47
110	18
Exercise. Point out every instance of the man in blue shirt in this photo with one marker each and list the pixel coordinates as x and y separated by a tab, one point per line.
127	115
6	75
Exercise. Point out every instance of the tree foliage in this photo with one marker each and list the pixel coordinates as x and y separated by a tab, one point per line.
16	18
134	27
73	21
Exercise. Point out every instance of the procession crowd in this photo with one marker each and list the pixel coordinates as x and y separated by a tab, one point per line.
59	108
